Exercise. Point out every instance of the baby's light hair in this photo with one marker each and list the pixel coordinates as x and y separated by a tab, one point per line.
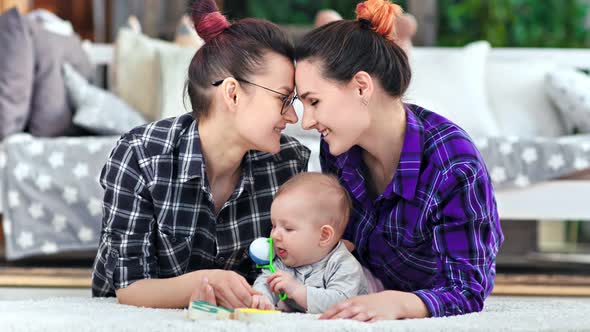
325	186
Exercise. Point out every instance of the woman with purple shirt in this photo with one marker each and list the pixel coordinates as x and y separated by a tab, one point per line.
424	221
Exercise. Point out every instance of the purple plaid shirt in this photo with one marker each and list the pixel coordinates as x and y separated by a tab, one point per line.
435	230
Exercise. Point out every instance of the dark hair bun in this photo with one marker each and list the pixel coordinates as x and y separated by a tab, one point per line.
209	22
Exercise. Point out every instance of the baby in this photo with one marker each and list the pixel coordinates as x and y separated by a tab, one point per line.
309	215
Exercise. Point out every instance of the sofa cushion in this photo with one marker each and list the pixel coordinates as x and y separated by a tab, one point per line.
97	110
51	112
173	62
16	73
144	67
135	79
570	92
518	99
51	22
451	82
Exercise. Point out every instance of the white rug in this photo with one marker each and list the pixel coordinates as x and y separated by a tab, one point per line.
85	314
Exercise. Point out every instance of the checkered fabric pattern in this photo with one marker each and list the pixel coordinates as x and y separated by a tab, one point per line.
158	214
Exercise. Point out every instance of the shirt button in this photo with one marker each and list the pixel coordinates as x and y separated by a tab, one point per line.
220	260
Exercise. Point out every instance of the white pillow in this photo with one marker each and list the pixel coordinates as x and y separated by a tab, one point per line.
173	63
451	82
518	100
144	67
570	91
135	81
98	110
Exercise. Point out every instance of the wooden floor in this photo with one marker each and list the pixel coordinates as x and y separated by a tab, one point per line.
520	284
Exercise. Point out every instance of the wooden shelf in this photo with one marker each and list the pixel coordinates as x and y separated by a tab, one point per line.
45	277
542	285
506	284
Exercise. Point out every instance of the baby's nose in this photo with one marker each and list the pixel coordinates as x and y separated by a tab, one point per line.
275	234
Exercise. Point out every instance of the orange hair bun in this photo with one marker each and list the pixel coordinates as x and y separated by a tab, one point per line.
382	14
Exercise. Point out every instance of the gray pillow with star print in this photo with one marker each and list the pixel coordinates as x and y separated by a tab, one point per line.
569	90
519	162
97	110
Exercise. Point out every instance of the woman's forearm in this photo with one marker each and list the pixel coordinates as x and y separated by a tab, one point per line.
412	305
162	293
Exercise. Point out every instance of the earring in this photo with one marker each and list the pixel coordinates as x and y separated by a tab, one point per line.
365	102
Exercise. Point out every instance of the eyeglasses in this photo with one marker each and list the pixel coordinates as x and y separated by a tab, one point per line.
288	100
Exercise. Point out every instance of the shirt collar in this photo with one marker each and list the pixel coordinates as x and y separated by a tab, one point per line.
321	264
192	165
247	178
190	155
324	261
405	178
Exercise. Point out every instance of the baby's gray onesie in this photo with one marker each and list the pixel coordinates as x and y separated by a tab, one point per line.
333	279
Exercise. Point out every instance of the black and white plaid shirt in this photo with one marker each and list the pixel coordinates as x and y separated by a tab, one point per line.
158	212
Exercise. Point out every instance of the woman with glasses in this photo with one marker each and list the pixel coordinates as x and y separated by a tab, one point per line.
424	220
184	197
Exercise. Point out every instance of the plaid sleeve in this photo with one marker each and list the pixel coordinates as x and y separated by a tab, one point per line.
125	252
466	241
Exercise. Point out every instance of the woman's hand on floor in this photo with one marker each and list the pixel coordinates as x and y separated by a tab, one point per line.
230	289
204	293
386	305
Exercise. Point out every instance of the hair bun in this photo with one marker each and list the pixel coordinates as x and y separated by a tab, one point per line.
382	14
209	22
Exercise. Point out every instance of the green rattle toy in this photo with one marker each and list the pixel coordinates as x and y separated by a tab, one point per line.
261	252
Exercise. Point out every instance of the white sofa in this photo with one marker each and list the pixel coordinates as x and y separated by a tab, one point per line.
518	104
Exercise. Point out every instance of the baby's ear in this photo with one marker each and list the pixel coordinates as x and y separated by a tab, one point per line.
326	235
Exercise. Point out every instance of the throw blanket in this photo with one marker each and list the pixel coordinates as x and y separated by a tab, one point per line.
52	201
520	162
51	198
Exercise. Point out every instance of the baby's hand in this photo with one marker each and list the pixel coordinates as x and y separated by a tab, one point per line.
261	302
283	281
